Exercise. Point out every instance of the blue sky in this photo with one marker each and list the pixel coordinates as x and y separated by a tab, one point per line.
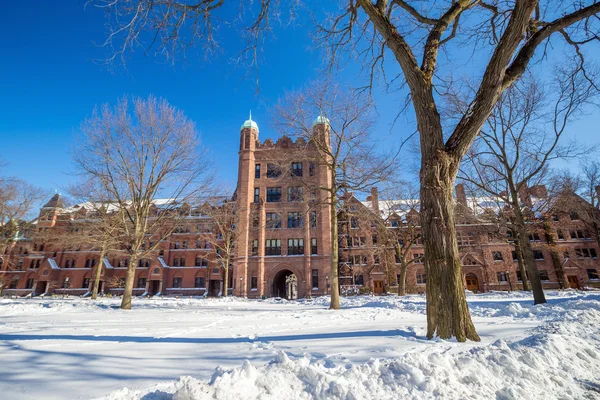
49	84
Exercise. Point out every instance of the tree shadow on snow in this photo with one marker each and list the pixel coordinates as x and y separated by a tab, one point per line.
230	340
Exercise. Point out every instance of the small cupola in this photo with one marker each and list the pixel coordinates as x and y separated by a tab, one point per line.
249	123
320	120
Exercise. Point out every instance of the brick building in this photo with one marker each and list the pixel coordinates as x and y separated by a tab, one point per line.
283	247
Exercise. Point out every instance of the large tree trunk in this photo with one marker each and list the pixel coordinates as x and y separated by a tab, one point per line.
335	288
447	309
522	266
129	280
527	251
97	275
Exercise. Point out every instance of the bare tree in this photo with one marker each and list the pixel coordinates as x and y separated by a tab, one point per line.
17	200
507	35
517	144
98	226
400	226
225	232
137	152
580	194
345	148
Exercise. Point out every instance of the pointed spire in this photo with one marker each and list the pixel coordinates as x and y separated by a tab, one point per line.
250	119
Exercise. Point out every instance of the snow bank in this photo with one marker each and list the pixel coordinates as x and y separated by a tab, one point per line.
560	359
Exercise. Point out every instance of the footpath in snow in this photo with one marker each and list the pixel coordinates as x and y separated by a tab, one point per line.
374	348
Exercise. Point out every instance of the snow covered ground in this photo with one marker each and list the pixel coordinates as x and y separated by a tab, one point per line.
374	348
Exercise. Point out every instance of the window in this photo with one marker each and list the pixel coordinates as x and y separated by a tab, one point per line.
295	247
358	260
182	262
273	247
515	256
273	171
360	280
313	246
421	279
560	234
256	195
554	217
254	283
177	282
295	220
394	223
358	241
510	236
586	253
502	277
273	220
204	263
519	278
199	282
354	223
68	264
578	235
376	259
257	171
315	279
574	216
374	239
313	219
464	239
176	262
273	194
295	193
177	245
141	283
13	283
255	247
497	255
534	237
311	169
29	284
544	275
538	255
197	262
88	263
592	273
296	169
419	258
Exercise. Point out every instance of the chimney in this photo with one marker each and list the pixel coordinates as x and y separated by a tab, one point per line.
461	196
375	199
538	191
524	196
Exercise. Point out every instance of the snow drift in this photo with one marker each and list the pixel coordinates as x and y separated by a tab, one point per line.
560	359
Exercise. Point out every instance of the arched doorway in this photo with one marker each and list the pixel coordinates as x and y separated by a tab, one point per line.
472	282
282	286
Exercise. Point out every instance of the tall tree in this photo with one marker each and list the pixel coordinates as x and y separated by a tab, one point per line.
224	233
343	138
400	226
139	151
524	133
586	185
99	226
505	35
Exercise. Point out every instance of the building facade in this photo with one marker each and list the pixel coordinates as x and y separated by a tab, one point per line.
283	240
